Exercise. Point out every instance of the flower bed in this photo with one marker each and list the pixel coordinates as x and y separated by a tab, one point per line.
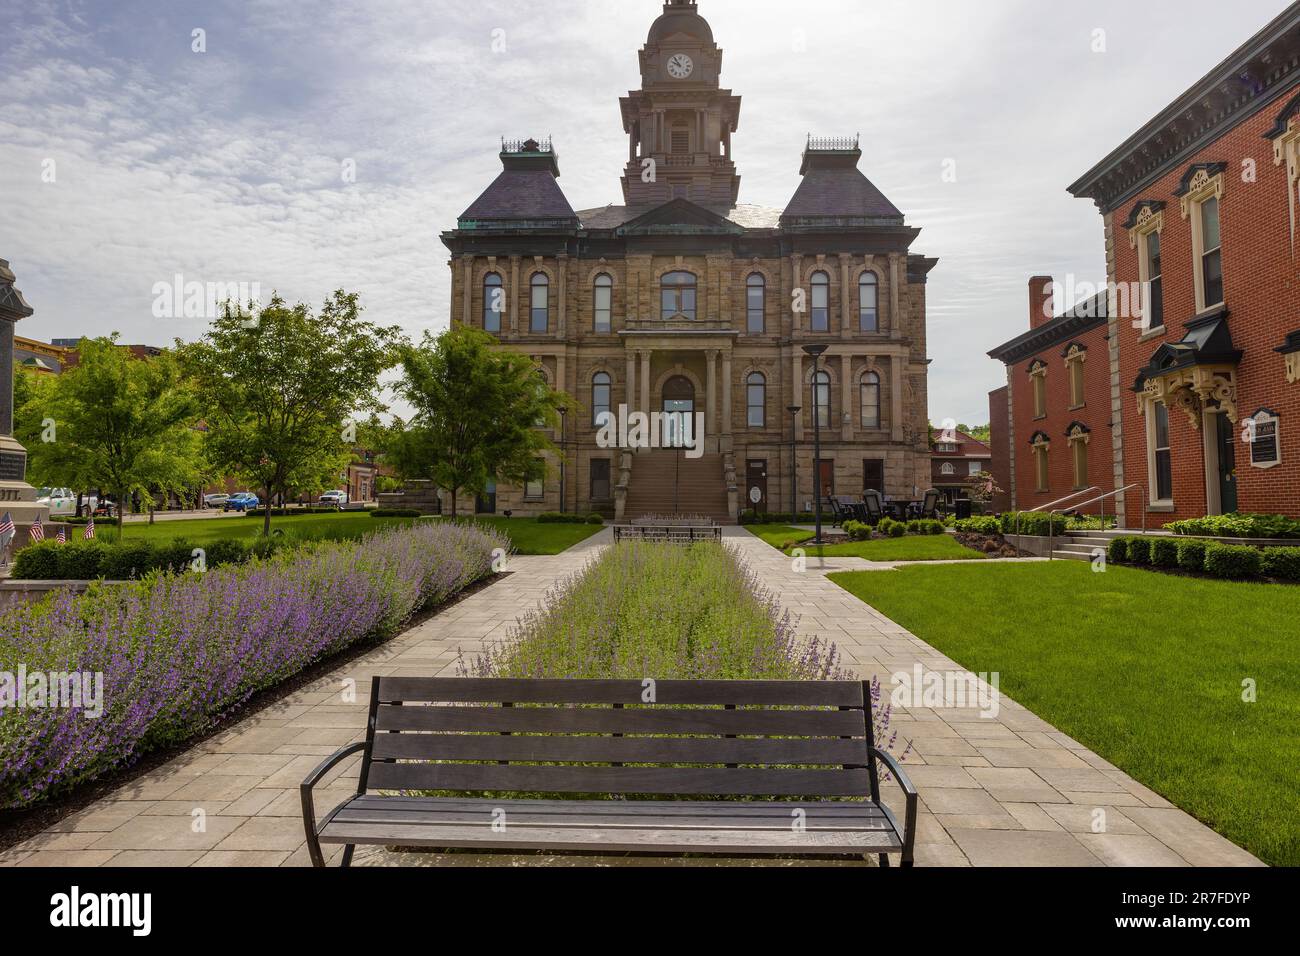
1238	526
180	651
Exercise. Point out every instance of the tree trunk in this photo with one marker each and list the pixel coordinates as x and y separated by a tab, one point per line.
121	513
266	520
453	503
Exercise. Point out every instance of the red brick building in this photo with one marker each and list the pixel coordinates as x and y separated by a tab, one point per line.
957	458
1051	423
1000	448
1201	340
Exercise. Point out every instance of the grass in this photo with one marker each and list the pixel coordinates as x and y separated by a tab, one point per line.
939	547
1145	669
527	535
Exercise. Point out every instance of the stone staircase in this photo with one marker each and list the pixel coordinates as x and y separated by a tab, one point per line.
666	482
1081	545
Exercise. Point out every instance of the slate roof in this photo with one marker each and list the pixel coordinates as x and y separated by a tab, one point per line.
521	194
839	191
1082	317
747	217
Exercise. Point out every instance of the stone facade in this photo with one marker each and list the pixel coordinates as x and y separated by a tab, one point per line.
748	288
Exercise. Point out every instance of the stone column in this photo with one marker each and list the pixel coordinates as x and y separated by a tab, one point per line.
6	375
630	388
467	317
644	381
846	311
895	318
727	424
796	318
896	370
16	496
846	397
711	393
562	267
514	295
797	392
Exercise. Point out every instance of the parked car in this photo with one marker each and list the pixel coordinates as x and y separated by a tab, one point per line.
334	499
62	502
243	502
215	501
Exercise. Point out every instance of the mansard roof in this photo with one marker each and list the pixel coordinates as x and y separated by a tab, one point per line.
744	216
525	194
835	192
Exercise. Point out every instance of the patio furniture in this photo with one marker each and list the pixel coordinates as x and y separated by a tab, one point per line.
928	507
675	534
874	502
809	777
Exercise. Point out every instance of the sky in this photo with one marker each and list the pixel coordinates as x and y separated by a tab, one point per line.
302	147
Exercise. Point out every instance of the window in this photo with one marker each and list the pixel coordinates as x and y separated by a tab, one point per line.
600	484
677	292
757	398
1078	437
755	303
603	303
946	448
540	312
1211	255
871	400
948	469
536	490
821	302
600	398
822	399
1155	282
1074	368
681	139
973	468
1041	446
494	302
868	303
1038	381
1161	457
873	475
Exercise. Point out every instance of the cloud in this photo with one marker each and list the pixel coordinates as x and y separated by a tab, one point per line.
227	166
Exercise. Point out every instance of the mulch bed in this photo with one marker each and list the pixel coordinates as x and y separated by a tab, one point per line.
992	545
19	825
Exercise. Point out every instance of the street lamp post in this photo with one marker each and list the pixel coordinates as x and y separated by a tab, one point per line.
564	418
816	352
794	411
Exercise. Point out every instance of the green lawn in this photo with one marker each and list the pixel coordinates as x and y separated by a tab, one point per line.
1146	669
528	536
939	547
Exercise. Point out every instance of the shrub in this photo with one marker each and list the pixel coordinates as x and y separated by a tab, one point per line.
914	526
122	561
38	561
891	528
554	517
1234	561
749	516
179	652
595	518
1117	552
1191	554
1139	551
982	525
1238	526
932	527
396	513
1282	563
1164	552
1033	523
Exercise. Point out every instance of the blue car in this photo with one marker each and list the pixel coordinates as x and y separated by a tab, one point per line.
243	502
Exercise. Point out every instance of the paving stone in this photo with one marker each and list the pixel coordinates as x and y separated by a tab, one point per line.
266	833
1189	838
1015	785
155	858
66	858
1121	849
1081	818
167	833
257	858
1032	816
103	816
1022	848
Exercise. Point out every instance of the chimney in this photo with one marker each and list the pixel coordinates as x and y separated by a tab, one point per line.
1041	305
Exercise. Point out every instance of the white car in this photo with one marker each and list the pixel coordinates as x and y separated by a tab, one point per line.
62	502
336	499
215	501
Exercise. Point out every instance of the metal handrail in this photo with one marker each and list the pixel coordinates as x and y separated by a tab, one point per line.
1050	504
1051	530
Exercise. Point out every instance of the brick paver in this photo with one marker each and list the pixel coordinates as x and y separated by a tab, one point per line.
1010	790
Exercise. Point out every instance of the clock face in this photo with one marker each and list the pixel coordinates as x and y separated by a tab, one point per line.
680	66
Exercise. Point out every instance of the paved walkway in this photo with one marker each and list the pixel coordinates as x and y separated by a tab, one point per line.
1004	791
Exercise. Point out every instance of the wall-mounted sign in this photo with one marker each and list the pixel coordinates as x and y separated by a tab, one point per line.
13	465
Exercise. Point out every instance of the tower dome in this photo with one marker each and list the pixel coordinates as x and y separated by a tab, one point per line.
680	16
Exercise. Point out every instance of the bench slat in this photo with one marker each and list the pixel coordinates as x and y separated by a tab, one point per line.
619	780
819	751
741	693
589	720
597	810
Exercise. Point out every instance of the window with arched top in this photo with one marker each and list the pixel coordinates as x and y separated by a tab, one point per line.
677	294
601	402
494	302
871	400
868	303
540	310
756	303
821	302
756	397
948	468
822	398
603	303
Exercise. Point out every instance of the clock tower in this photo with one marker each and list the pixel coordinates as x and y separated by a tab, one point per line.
679	124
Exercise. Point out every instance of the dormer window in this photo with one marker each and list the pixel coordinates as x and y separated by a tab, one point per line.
677	295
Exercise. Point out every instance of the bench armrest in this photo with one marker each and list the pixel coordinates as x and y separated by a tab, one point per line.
308	805
909	792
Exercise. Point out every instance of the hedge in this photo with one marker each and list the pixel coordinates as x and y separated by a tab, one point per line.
1163	552
179	652
91	560
1117	552
396	513
751	517
554	517
1233	561
1033	523
1238	525
981	525
1282	563
1191	554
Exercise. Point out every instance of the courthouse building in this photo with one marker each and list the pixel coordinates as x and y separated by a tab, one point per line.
679	298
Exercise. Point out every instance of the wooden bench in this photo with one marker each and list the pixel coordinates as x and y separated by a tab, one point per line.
801	753
673	534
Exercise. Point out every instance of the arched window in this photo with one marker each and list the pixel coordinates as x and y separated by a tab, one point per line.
822	398
948	468
756	389
603	300
1041	447
600	398
755	302
540	321
494	302
678	294
868	303
1038	381
821	302
871	400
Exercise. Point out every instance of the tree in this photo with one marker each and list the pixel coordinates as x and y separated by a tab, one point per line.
113	421
280	387
479	414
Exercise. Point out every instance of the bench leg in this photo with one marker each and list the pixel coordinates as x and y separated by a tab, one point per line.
884	861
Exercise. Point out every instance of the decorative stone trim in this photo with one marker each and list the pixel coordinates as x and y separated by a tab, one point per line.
1192	390
1199	183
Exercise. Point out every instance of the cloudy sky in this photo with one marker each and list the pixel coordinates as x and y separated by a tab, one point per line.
126	157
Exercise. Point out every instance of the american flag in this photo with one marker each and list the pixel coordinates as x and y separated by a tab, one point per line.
90	529
6	531
37	531
62	537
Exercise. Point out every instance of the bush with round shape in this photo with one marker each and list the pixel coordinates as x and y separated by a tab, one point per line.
1282	563
1139	551
1164	552
1117	552
1191	554
1233	561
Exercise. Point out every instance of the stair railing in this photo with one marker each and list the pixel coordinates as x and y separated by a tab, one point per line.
1051	504
1051	529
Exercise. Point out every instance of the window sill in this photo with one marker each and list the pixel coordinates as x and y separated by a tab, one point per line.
1155	333
1160	507
1076	408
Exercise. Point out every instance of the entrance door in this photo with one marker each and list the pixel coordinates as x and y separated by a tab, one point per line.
1226	439
679	413
756	486
873	475
826	478
486	503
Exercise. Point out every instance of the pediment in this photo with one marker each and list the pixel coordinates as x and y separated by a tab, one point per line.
679	216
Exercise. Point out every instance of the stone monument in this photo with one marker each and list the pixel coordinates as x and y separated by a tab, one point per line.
16	496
